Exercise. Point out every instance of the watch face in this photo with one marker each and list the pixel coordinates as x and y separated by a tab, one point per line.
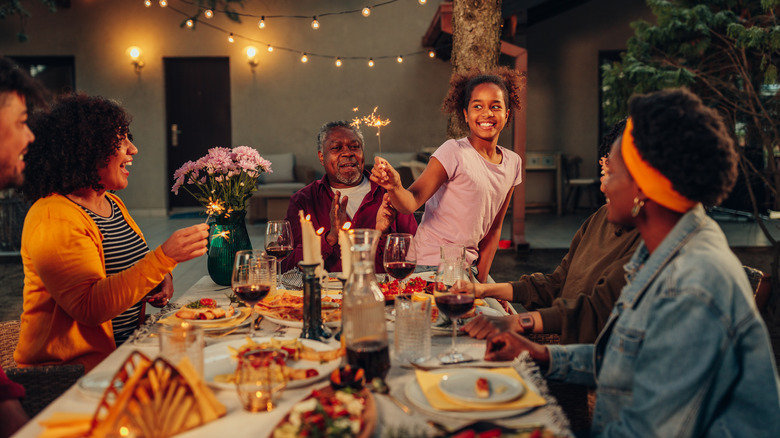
527	322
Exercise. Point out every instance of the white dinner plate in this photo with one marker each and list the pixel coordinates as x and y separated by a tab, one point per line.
415	396
297	324
209	322
95	384
461	385
217	360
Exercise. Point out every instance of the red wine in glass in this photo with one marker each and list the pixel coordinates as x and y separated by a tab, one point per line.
371	355
252	293
279	251
400	270
455	305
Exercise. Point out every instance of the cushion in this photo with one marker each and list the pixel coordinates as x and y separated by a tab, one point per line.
278	189
283	169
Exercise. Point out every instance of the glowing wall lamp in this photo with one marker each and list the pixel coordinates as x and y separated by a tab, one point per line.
136	58
251	57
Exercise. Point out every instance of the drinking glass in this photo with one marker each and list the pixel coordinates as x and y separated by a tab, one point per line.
452	252
253	276
260	379
454	295
278	243
399	263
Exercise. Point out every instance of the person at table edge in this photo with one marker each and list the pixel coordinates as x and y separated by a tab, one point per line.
344	193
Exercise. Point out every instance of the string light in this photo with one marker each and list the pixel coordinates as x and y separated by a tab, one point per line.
230	38
338	62
208	13
304	58
431	54
400	59
270	48
190	23
366	11
148	3
261	23
422	2
163	3
314	23
370	62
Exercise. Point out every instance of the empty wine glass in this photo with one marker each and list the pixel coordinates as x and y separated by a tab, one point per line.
253	276
278	243
399	263
454	295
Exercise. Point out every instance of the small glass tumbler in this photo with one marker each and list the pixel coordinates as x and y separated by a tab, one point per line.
260	379
412	328
179	341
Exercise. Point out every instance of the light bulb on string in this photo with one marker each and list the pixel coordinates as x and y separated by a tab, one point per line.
261	23
148	3
338	62
230	38
208	13
431	54
366	11
370	62
270	48
190	23
400	59
422	2
163	3
314	23
304	58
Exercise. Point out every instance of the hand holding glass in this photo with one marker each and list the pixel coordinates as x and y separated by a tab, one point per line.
253	276
454	294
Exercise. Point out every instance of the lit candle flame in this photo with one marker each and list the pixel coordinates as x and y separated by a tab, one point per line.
347	225
320	231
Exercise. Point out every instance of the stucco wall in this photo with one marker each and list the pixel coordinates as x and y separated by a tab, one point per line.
281	106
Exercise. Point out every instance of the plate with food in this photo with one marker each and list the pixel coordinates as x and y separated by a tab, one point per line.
343	413
480	386
391	288
204	312
286	309
308	361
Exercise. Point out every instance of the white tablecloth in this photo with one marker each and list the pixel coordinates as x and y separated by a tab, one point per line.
239	423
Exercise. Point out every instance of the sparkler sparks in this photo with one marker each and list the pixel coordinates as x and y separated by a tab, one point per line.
373	120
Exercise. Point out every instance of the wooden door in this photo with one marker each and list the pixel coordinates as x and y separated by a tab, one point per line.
197	107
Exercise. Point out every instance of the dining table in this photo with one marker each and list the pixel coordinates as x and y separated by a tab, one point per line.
391	420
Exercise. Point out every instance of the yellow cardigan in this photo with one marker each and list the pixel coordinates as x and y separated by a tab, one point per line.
68	300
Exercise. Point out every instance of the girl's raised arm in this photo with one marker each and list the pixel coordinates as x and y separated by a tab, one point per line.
407	201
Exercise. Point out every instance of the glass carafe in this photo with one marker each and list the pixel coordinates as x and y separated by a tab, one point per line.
363	309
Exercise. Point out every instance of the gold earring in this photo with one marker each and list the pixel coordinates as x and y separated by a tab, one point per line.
638	204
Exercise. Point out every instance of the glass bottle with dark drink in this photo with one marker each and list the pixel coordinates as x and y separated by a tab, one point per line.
363	309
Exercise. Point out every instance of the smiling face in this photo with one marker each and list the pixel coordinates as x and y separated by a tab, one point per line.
486	113
342	157
619	188
114	175
15	135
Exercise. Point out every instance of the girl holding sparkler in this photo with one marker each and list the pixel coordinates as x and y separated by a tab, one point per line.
468	183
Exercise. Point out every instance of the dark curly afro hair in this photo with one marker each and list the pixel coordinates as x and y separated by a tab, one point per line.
687	142
72	142
462	85
15	80
615	132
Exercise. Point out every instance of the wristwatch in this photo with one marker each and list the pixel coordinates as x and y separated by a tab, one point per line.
527	322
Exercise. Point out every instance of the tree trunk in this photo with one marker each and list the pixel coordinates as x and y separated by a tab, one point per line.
476	41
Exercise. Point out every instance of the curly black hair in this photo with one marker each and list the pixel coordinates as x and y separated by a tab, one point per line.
511	82
15	80
72	142
609	138
687	142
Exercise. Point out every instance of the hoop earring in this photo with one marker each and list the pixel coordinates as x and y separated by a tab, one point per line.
638	204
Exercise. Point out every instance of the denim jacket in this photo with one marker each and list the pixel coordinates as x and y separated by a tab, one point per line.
685	351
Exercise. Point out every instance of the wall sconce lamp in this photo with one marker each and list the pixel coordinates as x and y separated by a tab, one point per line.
135	58
251	57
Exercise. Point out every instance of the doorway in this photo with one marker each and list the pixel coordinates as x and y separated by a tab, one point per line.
197	112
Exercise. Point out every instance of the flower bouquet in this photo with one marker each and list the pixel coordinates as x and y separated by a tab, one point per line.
223	181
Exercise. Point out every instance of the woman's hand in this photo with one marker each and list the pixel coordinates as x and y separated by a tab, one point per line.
383	174
187	243
162	293
508	345
483	326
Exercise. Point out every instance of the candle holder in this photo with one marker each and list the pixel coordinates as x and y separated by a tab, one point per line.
313	328
343	281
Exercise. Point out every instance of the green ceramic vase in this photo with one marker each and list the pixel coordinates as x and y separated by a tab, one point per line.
227	236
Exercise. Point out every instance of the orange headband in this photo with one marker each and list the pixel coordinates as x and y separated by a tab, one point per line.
656	186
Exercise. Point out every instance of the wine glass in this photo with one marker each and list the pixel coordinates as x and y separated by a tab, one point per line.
399	263
278	243
253	277
454	295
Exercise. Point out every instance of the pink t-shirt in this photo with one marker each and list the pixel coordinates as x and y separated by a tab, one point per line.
463	209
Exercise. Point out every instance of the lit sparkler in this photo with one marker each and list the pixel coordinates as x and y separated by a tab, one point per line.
373	120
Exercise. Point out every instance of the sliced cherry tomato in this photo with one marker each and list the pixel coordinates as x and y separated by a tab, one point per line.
208	302
492	433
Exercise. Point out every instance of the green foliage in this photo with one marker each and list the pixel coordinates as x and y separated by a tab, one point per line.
14	7
217	6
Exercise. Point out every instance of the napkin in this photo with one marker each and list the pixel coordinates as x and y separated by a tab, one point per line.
429	383
244	314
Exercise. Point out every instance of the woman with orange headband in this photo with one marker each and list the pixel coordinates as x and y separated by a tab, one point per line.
685	352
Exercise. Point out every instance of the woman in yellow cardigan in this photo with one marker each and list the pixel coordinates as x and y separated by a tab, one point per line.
85	260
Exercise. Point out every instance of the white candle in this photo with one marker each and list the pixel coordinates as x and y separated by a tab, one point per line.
309	240
346	253
318	244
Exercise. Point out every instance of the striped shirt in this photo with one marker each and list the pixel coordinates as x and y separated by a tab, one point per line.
122	248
